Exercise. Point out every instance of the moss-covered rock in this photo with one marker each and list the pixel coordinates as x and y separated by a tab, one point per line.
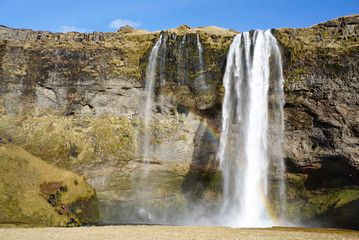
329	205
35	193
70	142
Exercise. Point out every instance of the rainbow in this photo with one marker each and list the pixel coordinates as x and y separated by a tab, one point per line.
210	128
271	215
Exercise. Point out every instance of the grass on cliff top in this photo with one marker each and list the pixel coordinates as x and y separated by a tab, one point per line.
212	30
21	175
316	42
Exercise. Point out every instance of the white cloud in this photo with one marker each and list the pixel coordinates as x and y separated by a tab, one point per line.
116	24
65	29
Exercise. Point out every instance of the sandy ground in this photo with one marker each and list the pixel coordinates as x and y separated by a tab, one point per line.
172	232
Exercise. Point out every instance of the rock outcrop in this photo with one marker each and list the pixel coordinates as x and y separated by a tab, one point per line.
75	100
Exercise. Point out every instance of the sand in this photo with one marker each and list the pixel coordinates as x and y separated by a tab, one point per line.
172	232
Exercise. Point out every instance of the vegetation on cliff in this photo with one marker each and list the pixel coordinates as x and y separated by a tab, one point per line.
35	193
333	203
71	142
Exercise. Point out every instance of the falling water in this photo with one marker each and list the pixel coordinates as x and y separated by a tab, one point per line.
200	81
149	90
200	53
143	188
181	65
244	153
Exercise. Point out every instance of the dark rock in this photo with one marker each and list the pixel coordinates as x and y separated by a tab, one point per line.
126	29
331	24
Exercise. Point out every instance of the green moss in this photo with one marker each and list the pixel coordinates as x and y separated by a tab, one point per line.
296	181
182	137
202	185
296	75
325	34
25	199
321	204
353	39
328	205
132	47
155	141
113	136
336	68
71	141
301	72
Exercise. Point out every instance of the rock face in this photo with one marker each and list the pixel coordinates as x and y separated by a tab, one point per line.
35	193
321	67
321	115
76	100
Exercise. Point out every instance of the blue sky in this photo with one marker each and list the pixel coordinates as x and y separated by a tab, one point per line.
109	15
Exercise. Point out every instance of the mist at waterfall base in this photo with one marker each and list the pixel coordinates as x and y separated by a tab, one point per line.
249	147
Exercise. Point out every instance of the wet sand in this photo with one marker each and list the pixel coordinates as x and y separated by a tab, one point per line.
173	232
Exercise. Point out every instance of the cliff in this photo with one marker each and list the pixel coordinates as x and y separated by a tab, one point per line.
76	101
321	69
321	119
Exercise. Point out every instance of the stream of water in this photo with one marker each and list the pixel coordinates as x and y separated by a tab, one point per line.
149	90
245	155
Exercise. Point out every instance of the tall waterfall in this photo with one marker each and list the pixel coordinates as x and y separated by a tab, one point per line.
252	131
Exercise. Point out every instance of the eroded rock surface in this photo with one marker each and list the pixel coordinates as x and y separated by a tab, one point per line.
322	86
321	116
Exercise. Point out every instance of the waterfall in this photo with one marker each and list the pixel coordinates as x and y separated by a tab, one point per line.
252	120
149	90
143	188
181	64
200	53
200	81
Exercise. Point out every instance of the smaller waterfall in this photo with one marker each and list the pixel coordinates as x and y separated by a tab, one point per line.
162	60
181	65
144	189
200	81
244	153
149	90
200	54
